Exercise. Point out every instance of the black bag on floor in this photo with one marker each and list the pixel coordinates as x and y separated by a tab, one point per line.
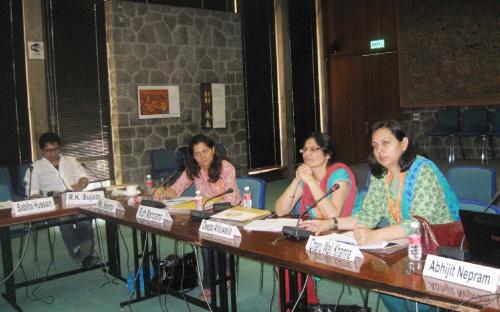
178	273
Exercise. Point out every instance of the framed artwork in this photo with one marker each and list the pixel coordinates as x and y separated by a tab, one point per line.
158	101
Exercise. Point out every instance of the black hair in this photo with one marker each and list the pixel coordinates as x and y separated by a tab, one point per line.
326	143
406	158
49	137
193	168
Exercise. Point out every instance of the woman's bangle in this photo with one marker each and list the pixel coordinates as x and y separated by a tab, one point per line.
291	195
335	224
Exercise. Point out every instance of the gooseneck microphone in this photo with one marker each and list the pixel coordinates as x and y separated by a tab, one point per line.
202	214
296	233
493	200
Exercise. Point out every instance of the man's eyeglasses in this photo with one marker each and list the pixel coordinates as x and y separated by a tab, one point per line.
309	149
51	150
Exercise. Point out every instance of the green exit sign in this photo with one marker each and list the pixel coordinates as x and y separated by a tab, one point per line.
377	44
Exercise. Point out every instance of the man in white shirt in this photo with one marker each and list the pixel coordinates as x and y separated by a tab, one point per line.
55	173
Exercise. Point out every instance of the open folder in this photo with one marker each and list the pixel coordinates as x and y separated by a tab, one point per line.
240	214
185	204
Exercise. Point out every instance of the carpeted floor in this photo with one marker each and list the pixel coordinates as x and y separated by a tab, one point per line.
95	291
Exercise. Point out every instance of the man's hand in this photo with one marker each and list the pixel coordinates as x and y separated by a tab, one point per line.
80	185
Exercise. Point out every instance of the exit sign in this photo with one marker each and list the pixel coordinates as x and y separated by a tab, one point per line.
377	44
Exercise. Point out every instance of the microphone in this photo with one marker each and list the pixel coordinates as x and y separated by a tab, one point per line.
493	200
167	181
102	188
459	253
296	233
28	195
202	214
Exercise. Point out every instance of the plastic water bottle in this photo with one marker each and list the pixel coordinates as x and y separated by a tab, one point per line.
198	199
415	242
149	185
247	197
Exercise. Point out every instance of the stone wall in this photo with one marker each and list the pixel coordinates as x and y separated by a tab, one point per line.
164	45
438	146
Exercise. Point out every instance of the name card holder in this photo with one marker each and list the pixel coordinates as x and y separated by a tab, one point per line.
234	242
154	215
32	206
353	266
75	199
108	206
333	248
462	273
219	229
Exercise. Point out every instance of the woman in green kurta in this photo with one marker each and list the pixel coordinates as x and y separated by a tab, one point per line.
402	184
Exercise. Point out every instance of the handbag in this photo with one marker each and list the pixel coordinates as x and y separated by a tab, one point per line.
436	235
178	273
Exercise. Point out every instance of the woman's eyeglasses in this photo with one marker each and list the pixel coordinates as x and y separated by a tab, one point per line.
309	149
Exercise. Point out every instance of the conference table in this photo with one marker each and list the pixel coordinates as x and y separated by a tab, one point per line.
382	273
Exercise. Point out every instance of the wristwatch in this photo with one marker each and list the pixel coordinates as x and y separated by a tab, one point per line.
335	224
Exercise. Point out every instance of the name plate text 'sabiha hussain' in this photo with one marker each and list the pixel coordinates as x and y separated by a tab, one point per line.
32	206
462	273
219	229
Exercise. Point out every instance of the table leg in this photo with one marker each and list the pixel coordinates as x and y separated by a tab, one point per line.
221	268
232	272
113	247
8	267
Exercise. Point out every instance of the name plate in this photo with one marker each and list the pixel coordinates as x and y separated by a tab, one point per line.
235	242
109	205
82	198
333	248
152	214
460	292
353	266
32	206
219	229
462	273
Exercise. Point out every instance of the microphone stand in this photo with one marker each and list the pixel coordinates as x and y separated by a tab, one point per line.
202	214
28	195
296	233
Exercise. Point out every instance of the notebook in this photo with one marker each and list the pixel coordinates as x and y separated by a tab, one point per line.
482	231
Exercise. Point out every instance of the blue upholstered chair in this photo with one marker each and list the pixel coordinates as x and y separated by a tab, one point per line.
475	124
257	188
473	182
479	206
6	180
5	193
447	123
163	163
21	185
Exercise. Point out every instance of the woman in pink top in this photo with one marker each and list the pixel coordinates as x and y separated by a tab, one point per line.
210	173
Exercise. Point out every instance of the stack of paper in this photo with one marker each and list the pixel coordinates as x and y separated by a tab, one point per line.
184	204
348	238
241	214
270	225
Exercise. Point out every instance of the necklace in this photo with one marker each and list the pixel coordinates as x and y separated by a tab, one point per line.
394	205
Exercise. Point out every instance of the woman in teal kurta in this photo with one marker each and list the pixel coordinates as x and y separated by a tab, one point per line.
402	185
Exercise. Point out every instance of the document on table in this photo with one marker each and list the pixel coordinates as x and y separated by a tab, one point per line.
6	204
270	225
348	238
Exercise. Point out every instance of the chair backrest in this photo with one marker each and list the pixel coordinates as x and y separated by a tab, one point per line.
5	193
190	191
473	182
181	156
5	179
257	187
163	162
475	119
221	150
479	206
496	121
21	184
447	119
